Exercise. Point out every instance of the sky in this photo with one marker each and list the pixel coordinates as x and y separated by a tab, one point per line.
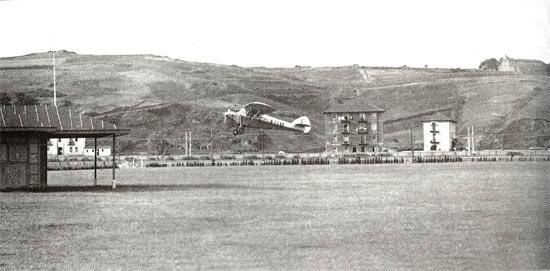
284	33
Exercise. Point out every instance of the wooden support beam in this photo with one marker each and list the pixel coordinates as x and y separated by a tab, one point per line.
114	161
95	161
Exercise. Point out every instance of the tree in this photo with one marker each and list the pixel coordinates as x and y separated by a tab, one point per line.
489	64
5	98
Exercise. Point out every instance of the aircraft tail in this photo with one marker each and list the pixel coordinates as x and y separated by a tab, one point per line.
303	124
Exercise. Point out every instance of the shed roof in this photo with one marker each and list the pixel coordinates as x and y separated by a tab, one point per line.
353	106
57	121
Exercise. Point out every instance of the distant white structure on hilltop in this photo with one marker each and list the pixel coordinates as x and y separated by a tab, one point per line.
439	134
525	66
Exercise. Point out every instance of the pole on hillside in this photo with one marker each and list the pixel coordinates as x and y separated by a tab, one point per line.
54	83
412	145
468	138
473	141
186	145
211	145
262	137
190	144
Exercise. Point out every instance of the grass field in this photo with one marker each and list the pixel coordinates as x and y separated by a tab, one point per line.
420	216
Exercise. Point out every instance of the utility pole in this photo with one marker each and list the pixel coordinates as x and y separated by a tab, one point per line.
186	145
468	138
473	141
262	139
190	144
211	145
412	145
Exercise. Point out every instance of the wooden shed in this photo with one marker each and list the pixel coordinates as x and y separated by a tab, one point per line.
24	135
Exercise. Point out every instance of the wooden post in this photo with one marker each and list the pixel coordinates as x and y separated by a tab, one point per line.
95	161
114	161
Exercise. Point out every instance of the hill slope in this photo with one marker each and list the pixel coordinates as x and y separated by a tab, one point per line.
159	98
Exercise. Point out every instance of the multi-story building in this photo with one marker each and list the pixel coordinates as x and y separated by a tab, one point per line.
353	127
66	146
439	134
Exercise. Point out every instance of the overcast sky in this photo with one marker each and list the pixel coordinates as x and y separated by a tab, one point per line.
284	32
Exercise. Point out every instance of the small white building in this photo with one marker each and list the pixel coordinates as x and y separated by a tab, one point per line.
439	134
66	146
101	151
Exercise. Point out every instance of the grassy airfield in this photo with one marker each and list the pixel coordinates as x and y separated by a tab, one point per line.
420	216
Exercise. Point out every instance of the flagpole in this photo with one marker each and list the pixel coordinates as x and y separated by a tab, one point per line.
54	83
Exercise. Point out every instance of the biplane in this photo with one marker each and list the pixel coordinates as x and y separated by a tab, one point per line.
255	115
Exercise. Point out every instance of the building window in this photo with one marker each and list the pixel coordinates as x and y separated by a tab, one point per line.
363	117
373	126
75	149
354	149
59	140
335	129
362	149
76	139
346	139
335	139
334	117
70	149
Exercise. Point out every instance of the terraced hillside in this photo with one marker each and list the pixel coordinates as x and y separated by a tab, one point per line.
159	98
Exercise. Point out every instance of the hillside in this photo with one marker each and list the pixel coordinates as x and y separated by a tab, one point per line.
159	98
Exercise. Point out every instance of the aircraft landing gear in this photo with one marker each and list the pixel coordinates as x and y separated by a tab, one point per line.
238	130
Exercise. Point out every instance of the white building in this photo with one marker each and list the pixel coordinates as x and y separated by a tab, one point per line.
66	146
439	134
101	151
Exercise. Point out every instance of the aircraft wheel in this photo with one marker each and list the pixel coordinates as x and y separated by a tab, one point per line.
241	130
235	132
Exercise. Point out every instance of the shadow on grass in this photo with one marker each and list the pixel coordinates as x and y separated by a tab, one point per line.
141	188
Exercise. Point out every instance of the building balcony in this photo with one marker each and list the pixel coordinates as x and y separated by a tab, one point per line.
362	120
362	130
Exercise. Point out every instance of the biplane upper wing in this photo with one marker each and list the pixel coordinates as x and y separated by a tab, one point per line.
257	108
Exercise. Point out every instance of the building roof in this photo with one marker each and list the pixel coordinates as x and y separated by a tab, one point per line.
437	117
353	106
56	121
524	60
